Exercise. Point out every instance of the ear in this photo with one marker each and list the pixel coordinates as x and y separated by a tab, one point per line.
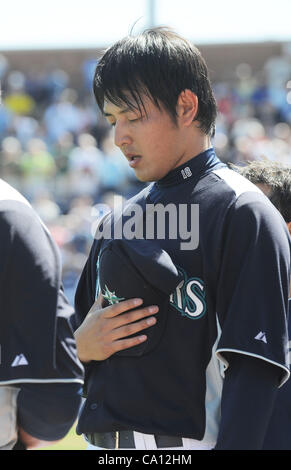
187	107
289	227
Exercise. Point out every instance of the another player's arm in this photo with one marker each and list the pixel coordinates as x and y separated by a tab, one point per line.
252	291
103	331
249	391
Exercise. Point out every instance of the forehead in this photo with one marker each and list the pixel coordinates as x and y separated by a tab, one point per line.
142	103
113	109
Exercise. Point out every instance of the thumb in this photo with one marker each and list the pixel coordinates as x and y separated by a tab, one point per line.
98	304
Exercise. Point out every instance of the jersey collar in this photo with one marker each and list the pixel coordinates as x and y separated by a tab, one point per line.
192	169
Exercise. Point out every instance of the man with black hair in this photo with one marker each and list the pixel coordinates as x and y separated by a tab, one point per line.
274	179
205	374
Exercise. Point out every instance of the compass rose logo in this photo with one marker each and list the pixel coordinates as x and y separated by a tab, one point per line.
111	297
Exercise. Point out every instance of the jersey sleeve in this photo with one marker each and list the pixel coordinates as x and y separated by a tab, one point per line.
248	395
253	287
30	299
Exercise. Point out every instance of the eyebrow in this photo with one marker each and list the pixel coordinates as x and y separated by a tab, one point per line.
125	110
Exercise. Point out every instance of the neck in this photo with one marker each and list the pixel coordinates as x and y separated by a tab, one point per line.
194	146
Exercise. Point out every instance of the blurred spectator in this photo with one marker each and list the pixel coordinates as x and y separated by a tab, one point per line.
115	170
278	71
17	100
84	167
62	116
11	153
72	233
46	207
5	121
38	168
61	151
26	128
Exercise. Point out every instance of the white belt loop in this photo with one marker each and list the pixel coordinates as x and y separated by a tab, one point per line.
144	441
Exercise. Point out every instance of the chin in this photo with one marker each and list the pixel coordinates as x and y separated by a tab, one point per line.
145	178
148	178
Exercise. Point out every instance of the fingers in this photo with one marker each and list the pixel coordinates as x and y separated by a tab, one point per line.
129	343
130	329
106	330
116	309
135	315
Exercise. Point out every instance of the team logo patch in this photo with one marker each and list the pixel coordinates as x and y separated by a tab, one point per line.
111	297
189	297
19	360
261	337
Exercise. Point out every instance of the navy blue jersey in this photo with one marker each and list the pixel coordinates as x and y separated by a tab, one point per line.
36	338
232	299
278	436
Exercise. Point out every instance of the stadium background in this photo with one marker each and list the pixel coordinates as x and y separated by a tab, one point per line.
56	148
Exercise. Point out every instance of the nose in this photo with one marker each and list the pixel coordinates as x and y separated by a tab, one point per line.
122	135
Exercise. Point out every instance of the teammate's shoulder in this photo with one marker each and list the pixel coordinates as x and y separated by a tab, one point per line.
235	182
9	196
221	189
245	203
14	208
243	194
17	216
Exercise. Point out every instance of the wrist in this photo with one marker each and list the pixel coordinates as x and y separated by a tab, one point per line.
81	351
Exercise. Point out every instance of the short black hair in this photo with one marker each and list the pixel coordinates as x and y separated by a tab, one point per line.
160	64
274	175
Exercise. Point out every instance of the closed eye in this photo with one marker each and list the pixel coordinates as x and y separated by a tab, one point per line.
134	120
112	124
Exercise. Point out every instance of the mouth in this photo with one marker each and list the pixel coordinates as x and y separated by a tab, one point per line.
133	159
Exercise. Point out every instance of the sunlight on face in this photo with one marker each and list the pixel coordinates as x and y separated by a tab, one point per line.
151	142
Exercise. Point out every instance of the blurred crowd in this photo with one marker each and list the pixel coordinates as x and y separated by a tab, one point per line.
57	149
254	118
59	152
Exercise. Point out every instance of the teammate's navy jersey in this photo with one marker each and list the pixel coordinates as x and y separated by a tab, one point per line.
278	436
36	338
232	298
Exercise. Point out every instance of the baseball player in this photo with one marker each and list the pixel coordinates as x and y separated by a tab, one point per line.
202	371
40	374
274	179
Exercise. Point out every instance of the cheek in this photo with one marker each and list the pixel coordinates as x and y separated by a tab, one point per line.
159	140
166	149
